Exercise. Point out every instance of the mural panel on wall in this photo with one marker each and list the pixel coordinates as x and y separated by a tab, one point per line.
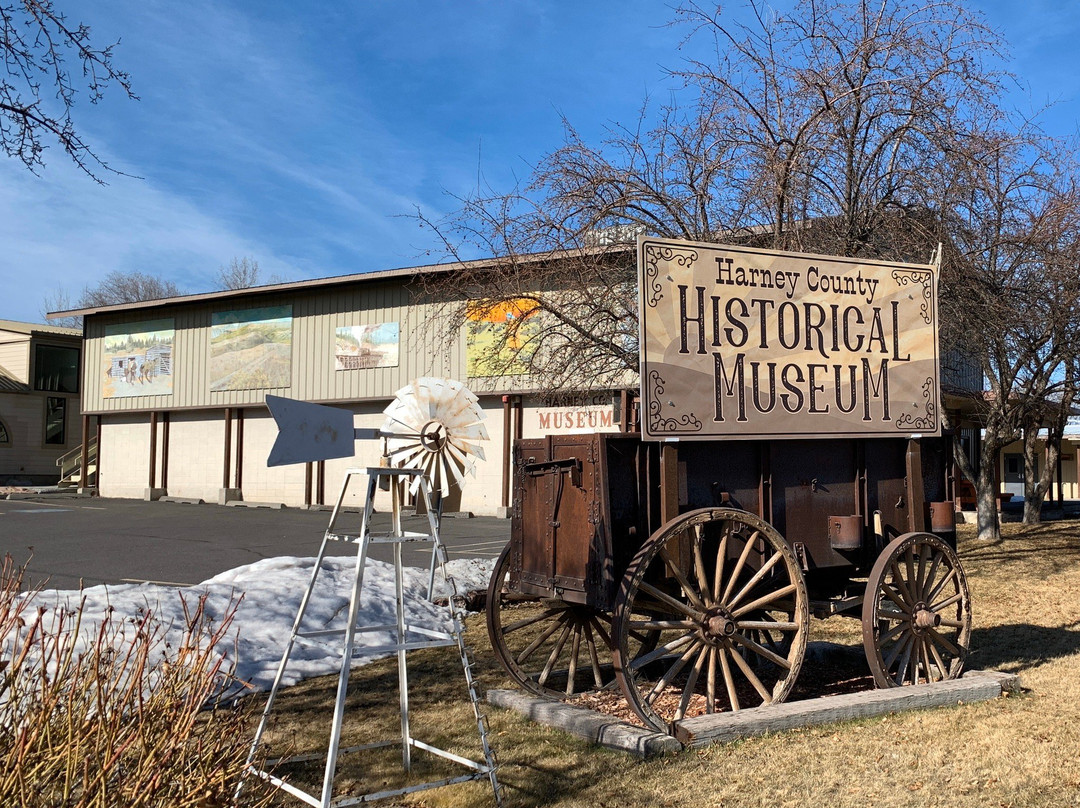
251	349
358	347
500	336
138	359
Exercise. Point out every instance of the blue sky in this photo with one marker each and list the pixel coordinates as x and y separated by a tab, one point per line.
304	135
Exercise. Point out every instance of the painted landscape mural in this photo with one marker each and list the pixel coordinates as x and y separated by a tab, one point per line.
251	349
366	346
139	359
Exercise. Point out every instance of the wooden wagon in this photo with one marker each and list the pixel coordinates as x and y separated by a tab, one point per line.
682	564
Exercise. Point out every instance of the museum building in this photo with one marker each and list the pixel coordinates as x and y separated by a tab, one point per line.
173	390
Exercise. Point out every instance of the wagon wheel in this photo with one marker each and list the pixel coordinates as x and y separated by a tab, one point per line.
917	612
550	647
725	593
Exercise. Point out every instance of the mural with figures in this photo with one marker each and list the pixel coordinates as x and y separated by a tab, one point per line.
139	359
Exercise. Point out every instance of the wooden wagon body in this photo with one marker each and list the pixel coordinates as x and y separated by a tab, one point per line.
684	571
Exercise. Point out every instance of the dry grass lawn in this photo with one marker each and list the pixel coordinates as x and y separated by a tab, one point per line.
1019	751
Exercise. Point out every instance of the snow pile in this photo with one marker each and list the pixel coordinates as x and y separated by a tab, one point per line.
271	591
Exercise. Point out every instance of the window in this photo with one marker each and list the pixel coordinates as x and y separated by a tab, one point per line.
56	369
5	436
55	421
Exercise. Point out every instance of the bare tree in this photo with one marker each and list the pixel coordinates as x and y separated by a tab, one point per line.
241	273
816	131
45	58
1011	296
115	288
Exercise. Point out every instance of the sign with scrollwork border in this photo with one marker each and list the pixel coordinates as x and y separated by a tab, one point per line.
746	343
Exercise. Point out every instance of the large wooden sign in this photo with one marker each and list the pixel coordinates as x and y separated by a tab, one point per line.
744	343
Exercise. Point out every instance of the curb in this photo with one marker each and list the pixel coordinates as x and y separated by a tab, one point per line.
588	724
642	743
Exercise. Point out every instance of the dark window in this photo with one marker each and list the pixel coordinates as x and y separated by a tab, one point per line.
55	420
5	436
56	369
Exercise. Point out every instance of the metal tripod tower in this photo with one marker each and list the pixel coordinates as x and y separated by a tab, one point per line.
408	637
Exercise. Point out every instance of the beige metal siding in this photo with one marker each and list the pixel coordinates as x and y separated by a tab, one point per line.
15	355
316	315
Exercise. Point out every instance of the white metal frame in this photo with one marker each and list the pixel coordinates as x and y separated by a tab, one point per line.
408	637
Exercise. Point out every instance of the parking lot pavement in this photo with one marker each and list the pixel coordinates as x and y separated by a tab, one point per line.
117	541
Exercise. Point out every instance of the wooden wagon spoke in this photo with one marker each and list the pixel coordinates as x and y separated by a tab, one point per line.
594	657
710	682
729	680
699	565
721	559
660	625
920	580
892	595
542	680
951	576
691	682
645	659
544	636
752	678
894	632
575	649
758	576
898	649
932	574
528	621
743	556
899	582
666	599
672	672
601	631
944	643
912	581
937	658
687	587
926	660
945	604
766	625
905	660
764	600
762	651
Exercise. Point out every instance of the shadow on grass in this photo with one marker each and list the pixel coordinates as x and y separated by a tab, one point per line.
1015	647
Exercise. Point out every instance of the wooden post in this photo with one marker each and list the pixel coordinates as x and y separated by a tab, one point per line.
228	448
165	450
506	453
97	441
153	450
916	495
239	476
307	484
84	457
669	482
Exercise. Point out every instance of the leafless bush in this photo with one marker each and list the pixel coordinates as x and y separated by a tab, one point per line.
114	715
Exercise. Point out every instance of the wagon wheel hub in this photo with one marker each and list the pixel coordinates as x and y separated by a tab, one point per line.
717	625
925	618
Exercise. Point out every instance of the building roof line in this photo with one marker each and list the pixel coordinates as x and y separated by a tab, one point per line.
335	280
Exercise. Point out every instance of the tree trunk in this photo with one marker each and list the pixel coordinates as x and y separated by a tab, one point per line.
1034	490
986	495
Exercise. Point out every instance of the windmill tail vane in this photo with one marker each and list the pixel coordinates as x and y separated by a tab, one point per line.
433	424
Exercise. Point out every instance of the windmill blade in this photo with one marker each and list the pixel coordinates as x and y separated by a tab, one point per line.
434	424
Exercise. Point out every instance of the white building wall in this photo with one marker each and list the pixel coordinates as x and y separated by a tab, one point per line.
123	456
196	454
